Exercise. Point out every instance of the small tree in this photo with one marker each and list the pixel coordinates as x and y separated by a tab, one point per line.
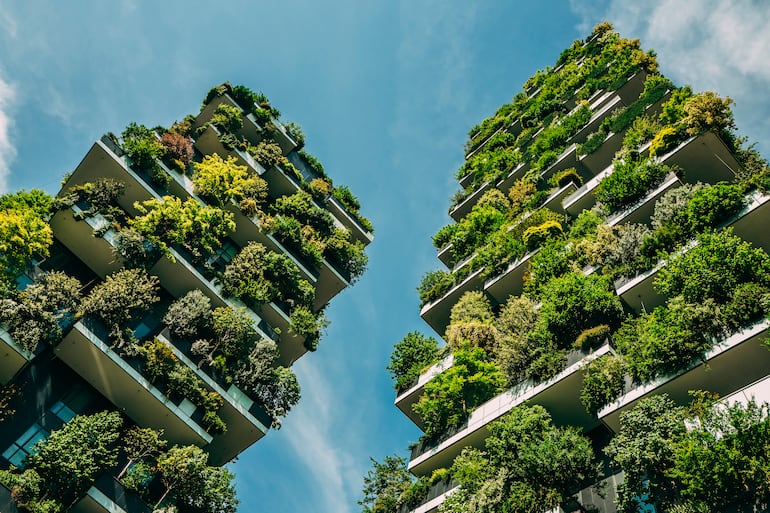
189	315
224	180
384	484
410	356
24	234
141	444
278	393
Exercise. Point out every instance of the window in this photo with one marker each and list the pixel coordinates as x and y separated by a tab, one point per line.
23	446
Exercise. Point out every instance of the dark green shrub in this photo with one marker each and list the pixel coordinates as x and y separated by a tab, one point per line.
603	382
711	205
410	356
630	181
434	284
592	338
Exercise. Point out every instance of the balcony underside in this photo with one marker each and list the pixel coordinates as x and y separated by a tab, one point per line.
13	357
436	313
78	236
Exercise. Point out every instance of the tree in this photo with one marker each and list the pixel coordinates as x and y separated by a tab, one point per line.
36	314
410	356
24	234
72	457
198	228
140	444
196	486
384	484
452	395
189	315
120	298
278	393
224	180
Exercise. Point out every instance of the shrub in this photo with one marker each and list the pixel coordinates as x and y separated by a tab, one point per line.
707	111
534	236
444	236
24	234
521	190
602	383
575	302
348	256
142	146
224	181
713	268
666	138
711	205
410	356
643	129
516	319
592	338
630	181
564	177
555	258
189	315
177	147
474	229
472	306
433	285
672	206
228	117
268	154
473	332
308	324
502	249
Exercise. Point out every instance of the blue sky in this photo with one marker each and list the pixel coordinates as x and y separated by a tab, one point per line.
386	92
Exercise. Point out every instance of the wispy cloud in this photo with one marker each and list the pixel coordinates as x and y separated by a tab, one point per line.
719	45
7	149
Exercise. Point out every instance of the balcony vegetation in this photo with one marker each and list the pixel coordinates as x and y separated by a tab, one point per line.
62	468
412	355
24	232
716	462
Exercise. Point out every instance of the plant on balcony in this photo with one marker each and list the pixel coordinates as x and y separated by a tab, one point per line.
268	154
260	276
384	484
120	298
667	339
501	249
189	315
452	395
629	182
224	181
60	469
24	234
473	230
641	131
411	355
196	486
306	323
471	322
603	382
707	111
197	228
134	250
433	285
666	139
528	465
342	194
178	149
535	236
347	255
713	268
228	117
39	313
575	302
141	445
143	148
487	166
101	196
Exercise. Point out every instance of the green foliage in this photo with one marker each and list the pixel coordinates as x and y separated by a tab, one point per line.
120	298
38	313
224	181
564	177
673	110
34	200
142	146
575	302
513	353
410	356
384	484
278	393
196	485
268	154
347	255
452	395
629	181
666	138
707	111
475	228
24	234
602	382
261	276
534	236
643	129
308	324
433	285
198	228
228	117
188	315
667	339
713	268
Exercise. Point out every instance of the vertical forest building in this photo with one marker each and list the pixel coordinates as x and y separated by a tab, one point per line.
152	310
607	256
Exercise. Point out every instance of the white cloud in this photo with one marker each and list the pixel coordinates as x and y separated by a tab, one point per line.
7	149
719	45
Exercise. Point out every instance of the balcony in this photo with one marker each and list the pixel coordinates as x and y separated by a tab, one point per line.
511	281
704	158
209	143
102	162
108	495
406	398
516	173
759	392
349	222
466	205
436	313
13	357
83	350
559	395
583	198
437	494
602	108
633	87
744	351
246	421
566	160
641	211
78	236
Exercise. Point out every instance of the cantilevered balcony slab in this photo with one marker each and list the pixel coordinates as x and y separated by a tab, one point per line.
752	223
567	159
13	357
466	205
437	494
208	143
641	211
730	365
560	395
480	147
354	227
436	313
516	173
93	359
601	110
101	162
633	87
290	345
207	112
638	292
237	412
108	495
78	236
445	255
704	158
758	391
511	281
584	196
410	396
555	200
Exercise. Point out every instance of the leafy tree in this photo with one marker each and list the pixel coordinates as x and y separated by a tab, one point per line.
198	228
141	444
278	393
120	298
178	148
517	318
384	484
452	395
36	314
707	111
71	458
602	383
197	487
189	315
410	356
24	234
142	146
629	181
225	181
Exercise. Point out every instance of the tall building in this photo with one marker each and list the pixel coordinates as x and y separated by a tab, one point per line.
174	279
608	245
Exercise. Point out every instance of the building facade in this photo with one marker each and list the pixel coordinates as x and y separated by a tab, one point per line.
592	263
181	271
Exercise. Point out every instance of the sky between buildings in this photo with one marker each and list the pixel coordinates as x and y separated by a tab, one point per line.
386	91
